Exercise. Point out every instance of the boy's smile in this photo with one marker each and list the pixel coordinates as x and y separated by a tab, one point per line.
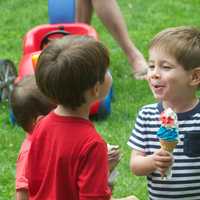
157	88
168	80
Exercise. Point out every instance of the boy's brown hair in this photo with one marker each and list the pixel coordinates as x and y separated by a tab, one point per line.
28	102
183	43
70	66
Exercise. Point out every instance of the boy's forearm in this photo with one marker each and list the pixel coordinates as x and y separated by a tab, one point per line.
142	165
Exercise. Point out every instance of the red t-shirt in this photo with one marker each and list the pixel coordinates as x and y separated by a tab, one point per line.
67	160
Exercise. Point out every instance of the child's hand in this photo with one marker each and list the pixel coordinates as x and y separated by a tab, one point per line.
114	156
162	160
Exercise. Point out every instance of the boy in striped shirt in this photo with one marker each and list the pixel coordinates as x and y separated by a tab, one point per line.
174	78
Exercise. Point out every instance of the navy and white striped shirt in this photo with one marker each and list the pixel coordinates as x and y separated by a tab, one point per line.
185	181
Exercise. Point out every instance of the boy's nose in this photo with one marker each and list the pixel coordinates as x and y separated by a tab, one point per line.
155	73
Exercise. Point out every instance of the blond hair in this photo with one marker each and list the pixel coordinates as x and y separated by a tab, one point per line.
183	43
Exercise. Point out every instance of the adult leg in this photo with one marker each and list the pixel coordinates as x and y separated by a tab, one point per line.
109	13
84	11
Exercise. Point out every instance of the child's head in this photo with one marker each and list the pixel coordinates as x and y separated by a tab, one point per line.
174	64
182	43
69	67
28	103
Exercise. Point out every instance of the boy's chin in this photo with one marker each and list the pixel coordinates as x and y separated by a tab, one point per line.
158	98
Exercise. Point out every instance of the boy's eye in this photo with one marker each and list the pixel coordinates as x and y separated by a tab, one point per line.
166	67
151	66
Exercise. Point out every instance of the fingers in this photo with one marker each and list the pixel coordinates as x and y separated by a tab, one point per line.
163	160
113	152
114	156
112	147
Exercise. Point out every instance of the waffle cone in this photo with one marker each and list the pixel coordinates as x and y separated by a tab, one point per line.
168	145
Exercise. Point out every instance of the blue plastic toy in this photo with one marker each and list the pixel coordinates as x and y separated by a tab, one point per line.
61	11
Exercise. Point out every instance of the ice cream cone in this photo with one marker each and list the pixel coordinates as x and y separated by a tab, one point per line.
168	135
168	145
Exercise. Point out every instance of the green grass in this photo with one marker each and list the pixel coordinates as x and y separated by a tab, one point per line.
144	19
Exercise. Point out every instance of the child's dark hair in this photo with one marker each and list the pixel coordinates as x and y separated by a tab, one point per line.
28	102
70	66
183	43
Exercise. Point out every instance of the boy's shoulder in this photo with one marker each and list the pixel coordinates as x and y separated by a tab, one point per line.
150	107
148	110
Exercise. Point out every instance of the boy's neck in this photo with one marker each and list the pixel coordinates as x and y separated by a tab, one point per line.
81	112
182	106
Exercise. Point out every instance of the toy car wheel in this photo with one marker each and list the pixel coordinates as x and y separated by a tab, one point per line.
8	74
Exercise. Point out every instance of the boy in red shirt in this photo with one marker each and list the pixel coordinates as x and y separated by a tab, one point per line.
29	105
67	151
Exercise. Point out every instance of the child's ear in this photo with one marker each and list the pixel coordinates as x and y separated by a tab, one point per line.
95	90
195	77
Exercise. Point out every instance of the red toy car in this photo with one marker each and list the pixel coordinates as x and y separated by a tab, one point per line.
39	36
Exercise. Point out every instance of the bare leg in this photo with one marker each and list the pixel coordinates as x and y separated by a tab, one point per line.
109	13
84	11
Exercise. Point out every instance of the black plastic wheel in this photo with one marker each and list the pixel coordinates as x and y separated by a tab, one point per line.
8	74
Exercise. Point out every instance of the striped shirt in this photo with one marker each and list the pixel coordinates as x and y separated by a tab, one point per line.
185	181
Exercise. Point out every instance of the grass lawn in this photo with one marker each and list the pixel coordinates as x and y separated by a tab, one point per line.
144	19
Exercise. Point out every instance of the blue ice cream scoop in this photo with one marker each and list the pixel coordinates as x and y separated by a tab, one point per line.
168	134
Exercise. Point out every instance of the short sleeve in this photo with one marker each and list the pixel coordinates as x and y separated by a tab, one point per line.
137	138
